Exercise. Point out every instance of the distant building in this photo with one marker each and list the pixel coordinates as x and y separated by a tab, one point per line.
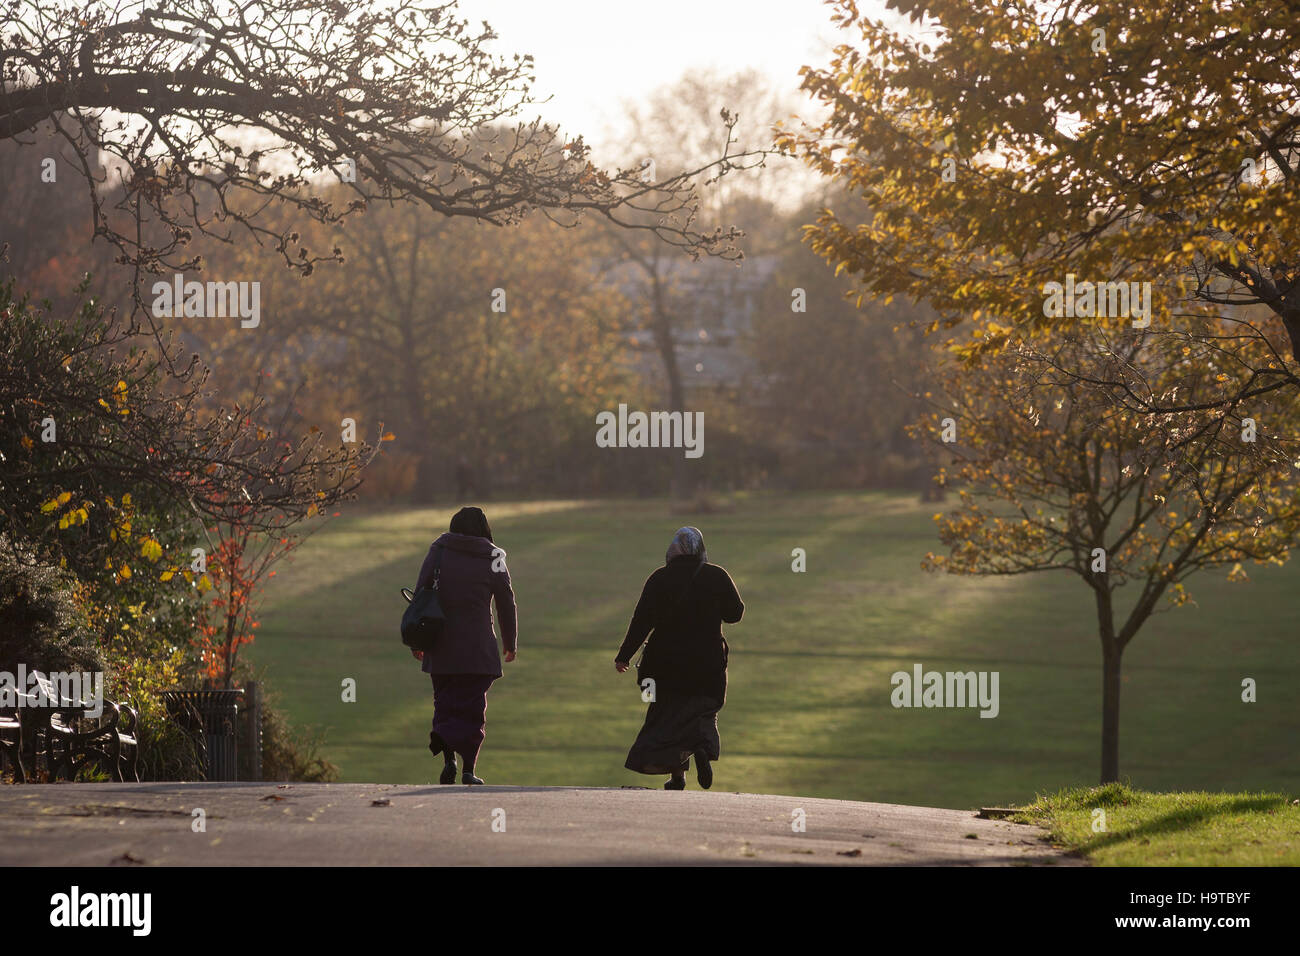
713	305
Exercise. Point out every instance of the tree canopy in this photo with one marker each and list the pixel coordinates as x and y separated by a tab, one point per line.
1003	146
192	116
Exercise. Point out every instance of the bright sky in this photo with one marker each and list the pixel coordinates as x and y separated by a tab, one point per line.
592	55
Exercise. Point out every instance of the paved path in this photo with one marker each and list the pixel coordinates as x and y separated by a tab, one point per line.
318	824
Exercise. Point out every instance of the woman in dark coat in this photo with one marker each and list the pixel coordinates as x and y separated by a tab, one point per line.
465	660
685	603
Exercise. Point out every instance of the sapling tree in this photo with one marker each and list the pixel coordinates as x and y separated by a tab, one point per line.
239	561
1053	475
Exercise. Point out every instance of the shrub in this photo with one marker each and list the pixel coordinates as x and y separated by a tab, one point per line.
43	624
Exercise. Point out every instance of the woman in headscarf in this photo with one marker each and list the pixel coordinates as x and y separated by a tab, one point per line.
684	667
464	662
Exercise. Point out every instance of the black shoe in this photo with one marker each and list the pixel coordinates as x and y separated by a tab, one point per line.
703	770
469	779
448	773
676	783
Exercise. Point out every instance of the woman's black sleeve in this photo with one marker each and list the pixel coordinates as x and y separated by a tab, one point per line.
641	625
730	606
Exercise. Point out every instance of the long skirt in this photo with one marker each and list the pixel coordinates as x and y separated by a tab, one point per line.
460	711
676	726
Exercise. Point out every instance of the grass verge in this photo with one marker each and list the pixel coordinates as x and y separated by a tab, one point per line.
1170	829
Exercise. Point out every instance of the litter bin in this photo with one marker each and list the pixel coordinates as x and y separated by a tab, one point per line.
213	713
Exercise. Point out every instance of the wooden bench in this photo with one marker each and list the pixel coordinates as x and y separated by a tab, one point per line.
65	737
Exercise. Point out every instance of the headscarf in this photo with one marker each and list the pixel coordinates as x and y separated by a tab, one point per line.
687	541
471	521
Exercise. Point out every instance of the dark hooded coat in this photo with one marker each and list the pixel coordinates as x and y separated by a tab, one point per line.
466	589
685	610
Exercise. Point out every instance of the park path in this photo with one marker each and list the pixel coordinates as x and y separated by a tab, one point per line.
366	824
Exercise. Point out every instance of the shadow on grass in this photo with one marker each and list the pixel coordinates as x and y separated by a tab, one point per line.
1180	820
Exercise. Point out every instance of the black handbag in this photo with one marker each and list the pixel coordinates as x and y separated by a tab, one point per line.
423	621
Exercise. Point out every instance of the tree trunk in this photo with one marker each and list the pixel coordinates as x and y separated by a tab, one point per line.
680	481
431	471
1110	683
1112	648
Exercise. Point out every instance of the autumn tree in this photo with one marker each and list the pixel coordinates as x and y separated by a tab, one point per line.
1055	475
109	468
48	218
483	350
1003	146
83	406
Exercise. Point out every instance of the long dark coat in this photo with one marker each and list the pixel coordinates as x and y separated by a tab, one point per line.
687	653
466	589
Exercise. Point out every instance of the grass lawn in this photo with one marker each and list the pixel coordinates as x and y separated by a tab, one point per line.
808	709
1166	829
